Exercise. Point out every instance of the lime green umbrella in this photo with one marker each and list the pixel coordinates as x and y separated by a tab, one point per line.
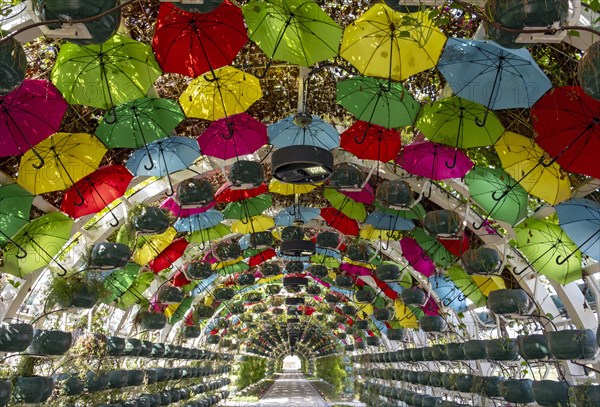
36	244
247	208
119	281
417	211
348	206
206	235
327	261
179	310
15	205
294	31
467	285
105	75
135	293
378	101
549	250
433	248
498	193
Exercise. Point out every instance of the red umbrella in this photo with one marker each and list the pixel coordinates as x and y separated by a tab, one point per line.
339	221
261	257
456	246
94	192
567	123
179	279
195	43
371	142
171	253
226	193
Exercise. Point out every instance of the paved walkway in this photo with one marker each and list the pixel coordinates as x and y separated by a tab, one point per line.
292	390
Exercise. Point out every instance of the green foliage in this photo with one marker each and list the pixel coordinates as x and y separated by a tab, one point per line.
251	370
331	369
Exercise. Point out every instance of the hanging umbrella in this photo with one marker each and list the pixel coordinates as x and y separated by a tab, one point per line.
259	223
498	193
407	316
370	232
521	158
37	243
15	206
233	136
151	246
312	132
29	114
494	76
448	293
292	215
352	209
204	220
217	232
226	193
164	157
378	101
248	207
549	250
467	285
366	194
434	161
457	246
417	211
283	188
580	219
95	191
118	281
416	256
455	122
340	221
388	44
380	220
567	123
66	158
169	255
224	92
105	75
327	261
191	43
371	142
139	122
294	31
433	248
177	211
487	284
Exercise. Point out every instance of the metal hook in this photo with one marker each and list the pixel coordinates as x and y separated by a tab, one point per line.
113	113
453	165
22	253
39	157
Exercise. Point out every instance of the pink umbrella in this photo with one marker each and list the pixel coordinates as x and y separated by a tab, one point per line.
29	114
365	195
356	270
172	206
428	159
417	257
233	136
431	307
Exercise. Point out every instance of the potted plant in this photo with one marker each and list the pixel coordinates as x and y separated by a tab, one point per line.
15	337
517	390
133	347
455	351
203	312
135	377
387	272
198	270
169	294
227	251
464	382
13	64
382	314
224	293
365	295
449	380
115	345
150	220
533	347
109	256
395	194
442	223
432	323
68	384
584	395
5	390
395	334
195	191
191	331
509	301
76	291
48	342
150	320
329	240
436	379
573	344
439	352
318	270
487	386
550	393
475	349
95	381
245	279
360	252
413	296
501	349
484	261
270	269
28	387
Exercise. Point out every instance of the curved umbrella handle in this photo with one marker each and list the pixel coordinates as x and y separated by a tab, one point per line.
453	164
113	113
22	253
39	157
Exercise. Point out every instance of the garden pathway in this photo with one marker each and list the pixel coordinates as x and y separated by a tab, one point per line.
292	390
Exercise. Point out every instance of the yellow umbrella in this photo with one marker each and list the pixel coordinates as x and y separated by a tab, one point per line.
229	91
153	246
259	223
387	44
67	157
369	232
487	284
520	157
406	316
284	188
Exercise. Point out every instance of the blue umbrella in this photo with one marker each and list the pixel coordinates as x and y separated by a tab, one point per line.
199	221
311	131
386	221
494	76
291	215
580	219
163	157
449	294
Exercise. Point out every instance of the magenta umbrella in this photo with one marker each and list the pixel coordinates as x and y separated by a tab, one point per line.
416	257
366	195
428	159
233	136
431	308
28	115
172	206
355	270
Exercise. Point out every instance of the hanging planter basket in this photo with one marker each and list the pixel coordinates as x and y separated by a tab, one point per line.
198	270
328	240
585	395
227	251
365	295
423	378
573	344
372	341
432	323
195	192
533	347
245	279
270	269
133	347
331	298
382	314
213	339
273	289
484	261
15	337
168	294
344	281
517	391
427	352
361	252
413	296
395	334
32	389
501	349
246	174
488	386
509	301
550	393
50	342
449	381
109	256
95	382
13	65
203	312
388	272
292	233
439	352
135	377
261	240
588	71
302	164
416	354
75	294
395	194
347	176
152	320
313	290
361	324
224	293
295	281
151	220
318	270
442	223
146	348
464	382
475	349
5	390
69	385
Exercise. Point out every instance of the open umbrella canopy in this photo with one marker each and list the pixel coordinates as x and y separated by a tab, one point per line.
294	31
246	208
448	293
387	44
233	136
105	75
226	192
434	161
378	101
386	221
365	195
349	207
151	246
211	234
29	114
339	221
416	211
224	92
567	123
139	122
580	219
15	206
433	248
171	205
191	43
292	215
199	221
371	142
35	244
549	250
283	188
310	132
164	156
66	158
258	223
467	285
521	158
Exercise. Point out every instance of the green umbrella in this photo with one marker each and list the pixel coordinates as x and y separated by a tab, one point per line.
137	123
545	244
206	235
466	284
182	308
225	268
378	101
246	208
498	193
295	31
433	248
15	205
41	240
135	293
348	206
454	121
119	281
327	261
417	211
105	75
